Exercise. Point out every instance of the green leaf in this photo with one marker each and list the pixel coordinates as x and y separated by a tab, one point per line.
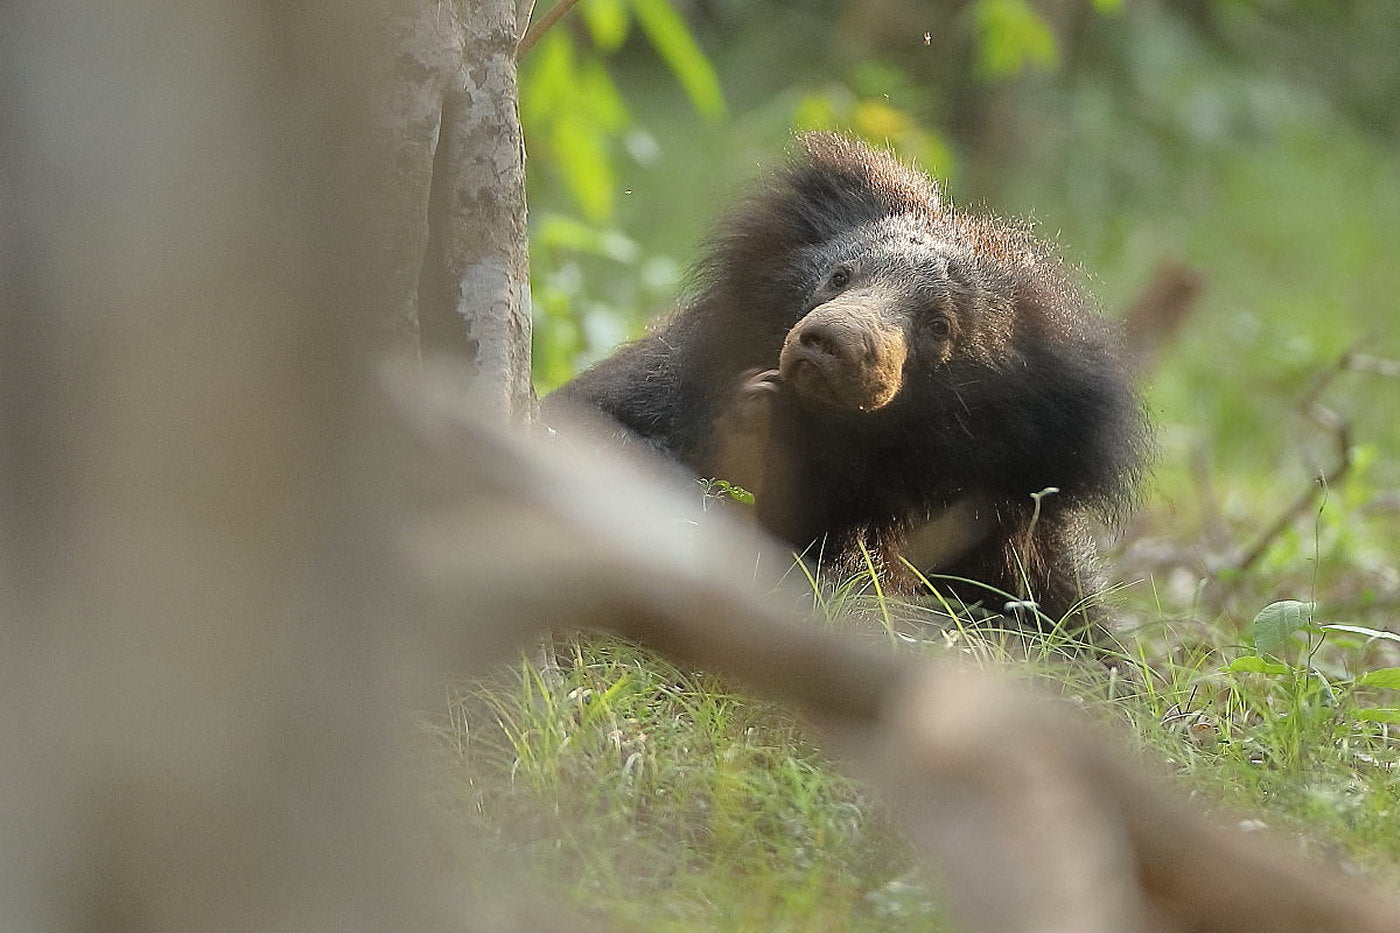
557	231
726	488
1362	630
548	79
819	111
580	151
1012	35
608	23
1384	677
1376	715
677	47
599	95
1108	6
1274	624
601	704
1254	664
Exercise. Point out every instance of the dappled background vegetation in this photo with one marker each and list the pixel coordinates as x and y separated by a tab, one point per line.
1249	145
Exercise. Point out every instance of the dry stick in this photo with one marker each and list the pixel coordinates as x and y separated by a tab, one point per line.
1331	422
968	762
555	13
1340	429
1380	366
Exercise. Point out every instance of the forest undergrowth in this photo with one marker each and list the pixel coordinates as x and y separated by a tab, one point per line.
642	796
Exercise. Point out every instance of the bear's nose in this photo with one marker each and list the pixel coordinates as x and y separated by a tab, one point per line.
822	337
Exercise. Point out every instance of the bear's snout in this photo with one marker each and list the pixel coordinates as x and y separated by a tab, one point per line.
845	357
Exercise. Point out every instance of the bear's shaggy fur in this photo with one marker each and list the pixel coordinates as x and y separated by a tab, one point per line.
892	377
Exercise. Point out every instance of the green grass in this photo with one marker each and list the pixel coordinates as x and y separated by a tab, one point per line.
659	799
646	797
1292	748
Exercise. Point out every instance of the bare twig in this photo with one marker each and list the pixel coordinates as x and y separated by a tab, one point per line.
532	36
522	17
1340	429
1377	365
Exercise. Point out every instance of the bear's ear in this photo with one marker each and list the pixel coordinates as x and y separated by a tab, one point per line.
835	183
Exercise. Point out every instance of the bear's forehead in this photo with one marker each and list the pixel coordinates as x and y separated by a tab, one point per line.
900	231
894	243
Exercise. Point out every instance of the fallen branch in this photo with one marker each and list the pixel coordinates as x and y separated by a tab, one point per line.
1034	818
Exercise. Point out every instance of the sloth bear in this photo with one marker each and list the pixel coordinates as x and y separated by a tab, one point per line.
896	381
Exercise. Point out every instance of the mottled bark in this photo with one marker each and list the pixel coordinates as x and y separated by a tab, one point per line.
474	290
453	219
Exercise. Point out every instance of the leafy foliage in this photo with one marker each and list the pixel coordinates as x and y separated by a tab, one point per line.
676	46
1013	37
582	133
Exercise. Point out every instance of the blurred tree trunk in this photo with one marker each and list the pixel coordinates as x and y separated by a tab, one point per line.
457	211
200	607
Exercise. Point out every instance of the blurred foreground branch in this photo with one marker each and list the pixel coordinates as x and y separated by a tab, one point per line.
1033	817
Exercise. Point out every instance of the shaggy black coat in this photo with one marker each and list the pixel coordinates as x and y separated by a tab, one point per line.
909	376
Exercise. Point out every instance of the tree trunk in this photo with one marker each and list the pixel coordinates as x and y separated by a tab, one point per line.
200	606
473	290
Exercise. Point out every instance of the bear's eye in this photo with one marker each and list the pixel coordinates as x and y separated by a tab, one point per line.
940	327
840	277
